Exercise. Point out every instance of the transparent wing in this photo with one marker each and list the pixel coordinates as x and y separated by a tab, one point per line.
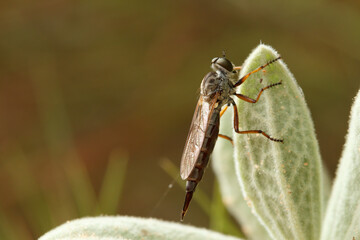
196	135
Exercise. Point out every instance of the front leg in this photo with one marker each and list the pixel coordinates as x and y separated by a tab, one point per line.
250	100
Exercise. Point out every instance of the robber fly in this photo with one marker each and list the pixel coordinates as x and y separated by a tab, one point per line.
216	91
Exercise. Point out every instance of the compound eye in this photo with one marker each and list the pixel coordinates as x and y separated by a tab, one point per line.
225	63
214	60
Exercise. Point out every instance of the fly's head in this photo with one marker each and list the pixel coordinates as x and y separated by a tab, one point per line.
225	67
221	80
222	64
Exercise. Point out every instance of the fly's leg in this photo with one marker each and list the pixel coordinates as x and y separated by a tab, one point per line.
226	137
237	68
222	135
236	127
241	80
224	110
250	100
263	133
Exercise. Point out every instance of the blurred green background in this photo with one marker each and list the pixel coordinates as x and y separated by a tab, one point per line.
94	94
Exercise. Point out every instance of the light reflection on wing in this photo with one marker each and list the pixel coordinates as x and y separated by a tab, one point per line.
196	135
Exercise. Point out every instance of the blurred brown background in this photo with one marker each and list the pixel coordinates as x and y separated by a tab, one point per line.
91	91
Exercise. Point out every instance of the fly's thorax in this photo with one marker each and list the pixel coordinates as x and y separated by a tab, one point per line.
210	84
226	86
214	82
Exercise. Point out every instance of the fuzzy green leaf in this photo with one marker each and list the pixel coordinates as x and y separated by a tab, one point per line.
282	183
224	168
342	220
130	228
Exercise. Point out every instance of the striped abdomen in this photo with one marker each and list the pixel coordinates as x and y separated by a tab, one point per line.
207	147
